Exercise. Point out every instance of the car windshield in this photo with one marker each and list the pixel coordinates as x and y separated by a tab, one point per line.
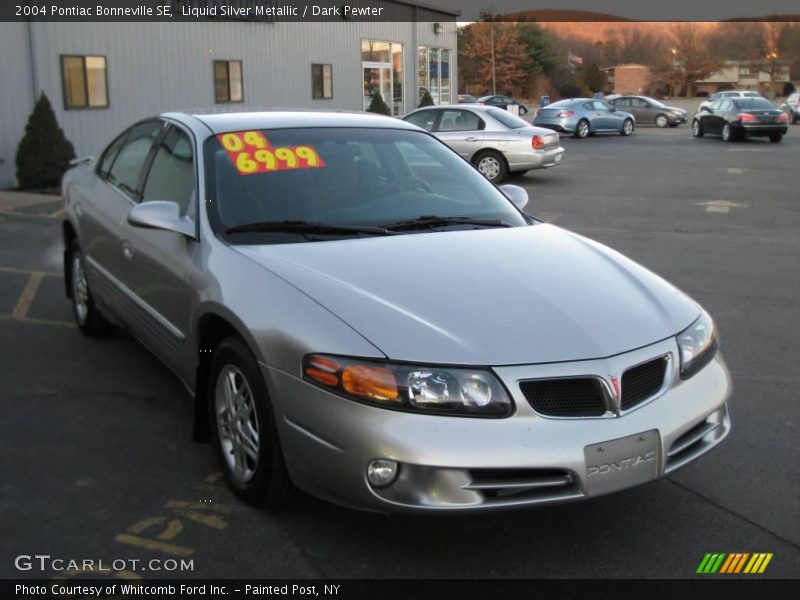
507	119
753	103
342	181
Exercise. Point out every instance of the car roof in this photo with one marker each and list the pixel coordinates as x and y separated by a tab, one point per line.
222	120
473	107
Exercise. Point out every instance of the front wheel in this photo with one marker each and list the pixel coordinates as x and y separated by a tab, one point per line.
662	121
491	165
87	317
627	128
244	429
582	130
697	129
775	138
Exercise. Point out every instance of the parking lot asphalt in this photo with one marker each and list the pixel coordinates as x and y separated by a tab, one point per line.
98	463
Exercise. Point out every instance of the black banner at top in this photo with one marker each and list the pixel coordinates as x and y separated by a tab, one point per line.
395	10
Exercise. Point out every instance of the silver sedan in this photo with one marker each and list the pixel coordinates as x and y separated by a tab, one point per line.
357	312
491	138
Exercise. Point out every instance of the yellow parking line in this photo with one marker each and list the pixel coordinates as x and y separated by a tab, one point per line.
39	321
30	271
135	540
24	214
26	299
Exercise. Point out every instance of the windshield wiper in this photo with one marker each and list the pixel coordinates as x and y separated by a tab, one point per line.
308	227
430	221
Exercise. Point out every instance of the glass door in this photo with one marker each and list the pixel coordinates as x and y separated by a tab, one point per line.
378	78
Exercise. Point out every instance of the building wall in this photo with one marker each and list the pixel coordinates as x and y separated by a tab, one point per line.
631	80
16	94
156	67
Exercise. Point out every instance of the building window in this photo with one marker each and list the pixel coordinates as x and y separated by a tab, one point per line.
382	68
321	82
228	85
85	82
434	73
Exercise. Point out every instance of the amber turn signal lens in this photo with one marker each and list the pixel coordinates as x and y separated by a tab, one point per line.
374	383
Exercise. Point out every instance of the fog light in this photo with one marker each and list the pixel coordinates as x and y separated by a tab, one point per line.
381	472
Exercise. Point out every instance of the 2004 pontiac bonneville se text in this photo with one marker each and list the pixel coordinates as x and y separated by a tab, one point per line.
359	313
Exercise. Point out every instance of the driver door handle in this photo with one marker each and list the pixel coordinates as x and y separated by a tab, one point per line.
470	139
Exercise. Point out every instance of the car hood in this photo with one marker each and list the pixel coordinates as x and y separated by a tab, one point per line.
490	297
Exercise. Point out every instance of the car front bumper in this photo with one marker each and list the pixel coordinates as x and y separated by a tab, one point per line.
478	464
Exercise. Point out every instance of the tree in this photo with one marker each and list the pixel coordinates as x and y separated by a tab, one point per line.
592	78
426	100
377	105
693	60
507	73
44	152
541	59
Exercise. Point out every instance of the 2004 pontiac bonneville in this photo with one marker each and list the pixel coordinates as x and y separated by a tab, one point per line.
359	313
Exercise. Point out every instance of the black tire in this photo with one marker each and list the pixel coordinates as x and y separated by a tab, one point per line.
87	316
268	482
519	173
775	138
662	121
627	128
795	118
582	129
491	165
727	133
697	128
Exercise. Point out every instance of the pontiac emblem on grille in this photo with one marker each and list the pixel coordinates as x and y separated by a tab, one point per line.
617	396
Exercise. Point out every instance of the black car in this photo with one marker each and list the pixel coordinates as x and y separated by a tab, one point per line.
503	102
736	118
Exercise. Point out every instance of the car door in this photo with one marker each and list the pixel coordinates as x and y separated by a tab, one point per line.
639	110
710	118
462	130
157	260
103	208
605	118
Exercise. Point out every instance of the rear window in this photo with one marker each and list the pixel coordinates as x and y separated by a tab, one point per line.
506	118
757	103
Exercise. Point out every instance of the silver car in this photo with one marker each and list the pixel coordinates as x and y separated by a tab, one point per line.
583	117
491	138
358	313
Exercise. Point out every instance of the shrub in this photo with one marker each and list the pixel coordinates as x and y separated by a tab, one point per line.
378	105
426	100
44	152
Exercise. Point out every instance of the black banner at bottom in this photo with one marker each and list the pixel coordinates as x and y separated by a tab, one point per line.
405	589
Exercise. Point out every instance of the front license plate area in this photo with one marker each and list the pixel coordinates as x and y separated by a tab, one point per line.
621	463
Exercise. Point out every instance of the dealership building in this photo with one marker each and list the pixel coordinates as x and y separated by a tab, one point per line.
102	76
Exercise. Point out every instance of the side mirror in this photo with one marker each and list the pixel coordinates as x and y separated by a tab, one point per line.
705	109
163	215
517	195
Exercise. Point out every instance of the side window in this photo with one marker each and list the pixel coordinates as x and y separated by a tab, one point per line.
639	103
459	120
726	105
109	154
424	119
172	174
622	102
588	105
127	165
601	106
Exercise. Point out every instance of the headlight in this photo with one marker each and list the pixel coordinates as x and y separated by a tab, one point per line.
415	388
698	345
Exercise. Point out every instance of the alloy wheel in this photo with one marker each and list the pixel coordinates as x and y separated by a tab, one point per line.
583	129
80	289
662	121
237	422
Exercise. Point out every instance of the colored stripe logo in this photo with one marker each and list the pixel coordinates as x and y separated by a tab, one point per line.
734	562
